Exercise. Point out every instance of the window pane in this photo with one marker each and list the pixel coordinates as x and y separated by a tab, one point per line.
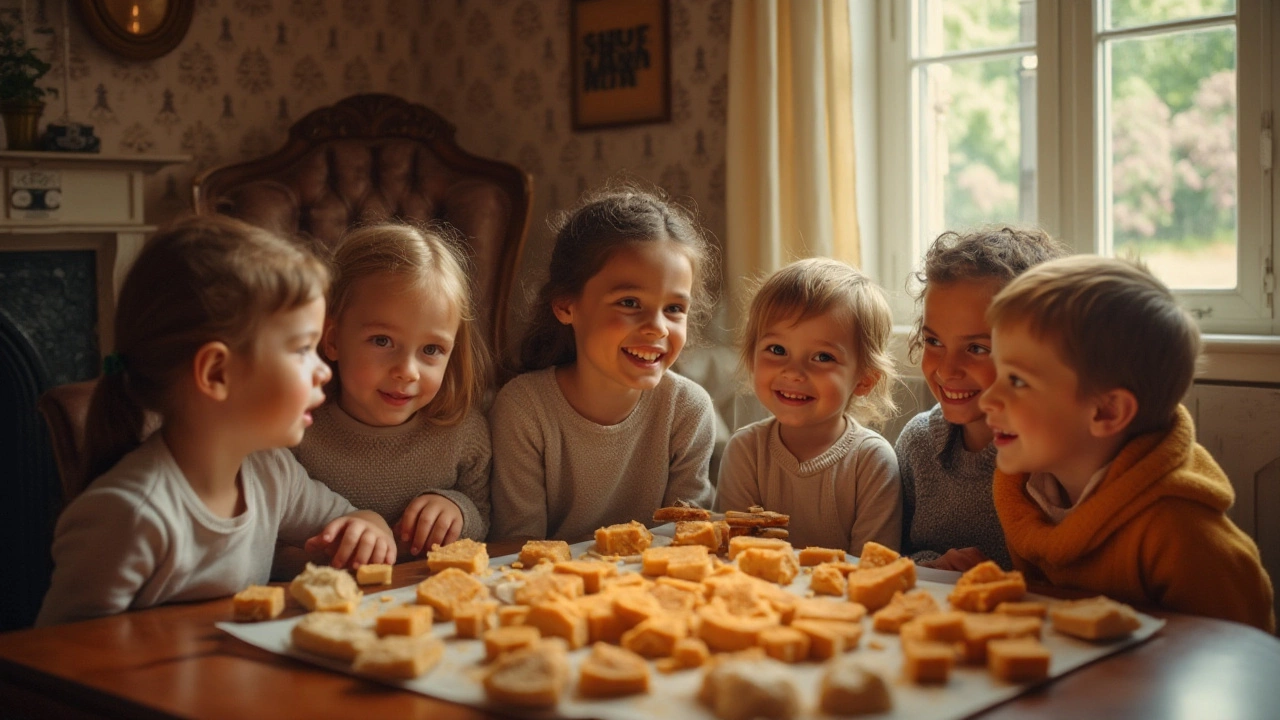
1172	164
1128	13
958	25
977	144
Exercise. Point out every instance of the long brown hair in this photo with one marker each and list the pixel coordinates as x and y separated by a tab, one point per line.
202	280
587	237
429	256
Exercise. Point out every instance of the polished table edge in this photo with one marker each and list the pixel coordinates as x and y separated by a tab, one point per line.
56	690
24	675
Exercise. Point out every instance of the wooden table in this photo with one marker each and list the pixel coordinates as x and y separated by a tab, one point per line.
171	662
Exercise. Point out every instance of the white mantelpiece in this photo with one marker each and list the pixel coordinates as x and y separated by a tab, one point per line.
80	201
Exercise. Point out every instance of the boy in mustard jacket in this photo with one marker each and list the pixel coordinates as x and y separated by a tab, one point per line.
1100	484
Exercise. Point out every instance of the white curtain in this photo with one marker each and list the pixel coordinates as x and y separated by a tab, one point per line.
790	190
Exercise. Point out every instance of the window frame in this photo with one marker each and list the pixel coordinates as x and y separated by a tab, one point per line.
1070	145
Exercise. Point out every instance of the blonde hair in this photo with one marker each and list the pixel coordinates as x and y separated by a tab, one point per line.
202	280
996	254
429	257
1114	324
617	215
821	286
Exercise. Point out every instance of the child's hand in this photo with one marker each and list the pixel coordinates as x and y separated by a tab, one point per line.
429	520
361	538
960	560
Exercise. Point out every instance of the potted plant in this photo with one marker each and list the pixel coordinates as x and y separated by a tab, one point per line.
21	100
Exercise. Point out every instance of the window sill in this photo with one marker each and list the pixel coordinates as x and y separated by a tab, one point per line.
1243	359
1240	359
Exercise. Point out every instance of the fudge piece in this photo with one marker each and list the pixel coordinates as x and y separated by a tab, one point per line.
536	551
531	677
320	587
611	671
1018	659
449	589
334	635
400	657
749	688
375	574
410	620
847	688
1099	618
258	602
630	538
466	555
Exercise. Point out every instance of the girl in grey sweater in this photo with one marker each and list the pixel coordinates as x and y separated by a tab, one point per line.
945	454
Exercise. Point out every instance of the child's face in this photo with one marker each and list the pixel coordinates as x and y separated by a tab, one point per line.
391	343
957	347
631	320
805	372
1040	422
284	377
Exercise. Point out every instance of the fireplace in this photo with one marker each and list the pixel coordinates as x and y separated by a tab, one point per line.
61	264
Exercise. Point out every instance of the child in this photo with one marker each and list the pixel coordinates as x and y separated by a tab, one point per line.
215	330
816	345
1101	484
598	430
403	436
945	454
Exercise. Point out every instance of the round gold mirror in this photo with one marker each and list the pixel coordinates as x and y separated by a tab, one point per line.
138	29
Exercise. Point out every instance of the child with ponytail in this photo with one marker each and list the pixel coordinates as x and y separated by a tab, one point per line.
216	331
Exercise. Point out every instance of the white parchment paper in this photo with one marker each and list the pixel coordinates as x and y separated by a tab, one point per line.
458	676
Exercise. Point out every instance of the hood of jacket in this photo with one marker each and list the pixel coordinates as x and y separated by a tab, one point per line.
1149	469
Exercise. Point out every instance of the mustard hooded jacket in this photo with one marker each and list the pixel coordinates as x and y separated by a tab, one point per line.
1154	532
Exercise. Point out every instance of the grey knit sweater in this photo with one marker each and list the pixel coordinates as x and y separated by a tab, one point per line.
383	468
946	492
559	475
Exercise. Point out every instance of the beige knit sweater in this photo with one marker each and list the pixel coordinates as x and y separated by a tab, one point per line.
558	475
844	497
383	468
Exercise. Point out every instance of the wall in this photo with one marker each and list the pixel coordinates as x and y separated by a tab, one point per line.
500	71
246	71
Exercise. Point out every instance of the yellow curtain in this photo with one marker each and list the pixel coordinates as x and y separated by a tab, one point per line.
789	143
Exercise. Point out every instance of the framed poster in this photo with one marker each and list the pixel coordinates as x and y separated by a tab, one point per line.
621	56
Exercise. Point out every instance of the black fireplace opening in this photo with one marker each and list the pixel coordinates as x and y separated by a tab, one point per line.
30	502
48	336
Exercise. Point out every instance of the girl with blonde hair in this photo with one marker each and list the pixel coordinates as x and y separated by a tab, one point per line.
403	434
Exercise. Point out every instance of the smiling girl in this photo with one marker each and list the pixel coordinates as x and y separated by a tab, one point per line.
945	454
403	435
598	430
816	345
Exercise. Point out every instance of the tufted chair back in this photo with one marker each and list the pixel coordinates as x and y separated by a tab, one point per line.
367	158
377	157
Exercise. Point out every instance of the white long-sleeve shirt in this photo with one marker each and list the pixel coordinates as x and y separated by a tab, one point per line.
139	536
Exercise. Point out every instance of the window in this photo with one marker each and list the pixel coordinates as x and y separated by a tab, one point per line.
1125	127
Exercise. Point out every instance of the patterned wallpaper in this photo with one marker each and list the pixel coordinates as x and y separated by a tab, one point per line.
498	69
246	71
503	77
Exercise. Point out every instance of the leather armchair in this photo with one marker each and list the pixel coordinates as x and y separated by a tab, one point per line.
366	158
376	157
